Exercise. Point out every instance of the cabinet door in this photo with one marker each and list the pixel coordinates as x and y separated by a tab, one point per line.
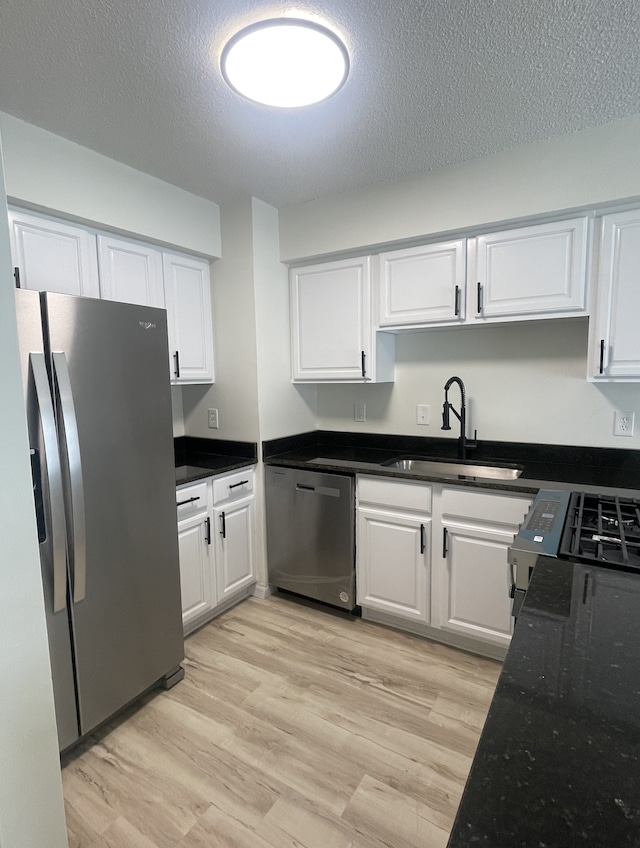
477	601
423	285
52	256
394	563
614	338
130	272
196	577
332	325
235	558
187	291
531	271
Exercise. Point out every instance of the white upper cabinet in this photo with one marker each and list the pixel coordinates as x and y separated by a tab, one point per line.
130	272
53	256
531	272
614	341
423	285
525	273
187	292
332	332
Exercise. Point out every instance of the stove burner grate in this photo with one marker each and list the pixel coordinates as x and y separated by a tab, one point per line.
603	529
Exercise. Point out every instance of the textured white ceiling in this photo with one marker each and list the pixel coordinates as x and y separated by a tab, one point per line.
433	82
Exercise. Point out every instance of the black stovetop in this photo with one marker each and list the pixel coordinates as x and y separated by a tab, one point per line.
603	530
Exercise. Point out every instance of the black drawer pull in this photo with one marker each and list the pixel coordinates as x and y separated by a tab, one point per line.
445	539
479	298
456	310
241	483
223	528
176	356
423	543
207	537
602	356
364	365
189	500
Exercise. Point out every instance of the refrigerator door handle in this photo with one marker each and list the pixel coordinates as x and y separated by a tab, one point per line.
54	479
78	552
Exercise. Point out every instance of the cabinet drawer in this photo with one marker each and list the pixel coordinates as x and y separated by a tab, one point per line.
395	493
192	499
485	505
233	486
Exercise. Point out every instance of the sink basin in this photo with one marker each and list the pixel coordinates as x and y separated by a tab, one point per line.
455	468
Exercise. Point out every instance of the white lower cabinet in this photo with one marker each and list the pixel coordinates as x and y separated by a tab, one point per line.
394	547
216	541
196	569
235	559
437	555
477	528
395	556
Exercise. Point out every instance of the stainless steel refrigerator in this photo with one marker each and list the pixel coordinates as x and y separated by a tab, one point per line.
96	376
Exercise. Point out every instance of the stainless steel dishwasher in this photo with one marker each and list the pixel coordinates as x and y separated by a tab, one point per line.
311	534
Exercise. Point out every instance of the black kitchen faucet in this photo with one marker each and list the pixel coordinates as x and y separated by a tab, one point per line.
447	407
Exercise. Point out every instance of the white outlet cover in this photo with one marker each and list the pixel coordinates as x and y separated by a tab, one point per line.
623	423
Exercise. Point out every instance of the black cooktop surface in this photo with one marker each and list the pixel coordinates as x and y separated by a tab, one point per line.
603	529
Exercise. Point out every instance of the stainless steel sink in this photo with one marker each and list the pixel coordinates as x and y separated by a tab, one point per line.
458	468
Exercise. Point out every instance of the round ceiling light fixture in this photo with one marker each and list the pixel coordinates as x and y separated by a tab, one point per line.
285	62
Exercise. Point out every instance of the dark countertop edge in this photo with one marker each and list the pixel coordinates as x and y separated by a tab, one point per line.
187	446
551	725
197	458
190	473
522	485
523	453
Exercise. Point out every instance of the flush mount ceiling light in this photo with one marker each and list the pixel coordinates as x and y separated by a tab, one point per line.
285	62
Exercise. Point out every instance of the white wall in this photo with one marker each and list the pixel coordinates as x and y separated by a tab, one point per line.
50	173
524	381
177	411
31	807
235	393
582	169
284	408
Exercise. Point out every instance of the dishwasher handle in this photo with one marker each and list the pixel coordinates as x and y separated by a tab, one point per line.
300	487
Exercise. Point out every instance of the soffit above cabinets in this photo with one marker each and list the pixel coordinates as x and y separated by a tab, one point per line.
432	84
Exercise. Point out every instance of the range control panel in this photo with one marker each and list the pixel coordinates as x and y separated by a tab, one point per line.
545	520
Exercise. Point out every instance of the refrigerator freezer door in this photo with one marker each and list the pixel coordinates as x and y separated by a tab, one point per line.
127	629
52	543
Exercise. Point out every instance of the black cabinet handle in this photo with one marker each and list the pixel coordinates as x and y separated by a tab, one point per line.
16	277
176	356
456	309
223	525
189	500
445	539
602	356
423	542
364	365
207	524
241	483
479	298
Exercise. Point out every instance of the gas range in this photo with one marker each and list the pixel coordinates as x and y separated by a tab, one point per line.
603	530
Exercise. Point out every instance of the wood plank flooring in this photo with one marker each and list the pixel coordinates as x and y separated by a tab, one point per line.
293	728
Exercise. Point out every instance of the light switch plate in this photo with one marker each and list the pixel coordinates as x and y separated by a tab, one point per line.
213	419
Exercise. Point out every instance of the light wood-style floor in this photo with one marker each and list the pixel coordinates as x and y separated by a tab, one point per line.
293	728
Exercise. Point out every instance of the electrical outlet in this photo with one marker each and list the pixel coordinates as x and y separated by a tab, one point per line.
213	419
422	413
623	423
360	412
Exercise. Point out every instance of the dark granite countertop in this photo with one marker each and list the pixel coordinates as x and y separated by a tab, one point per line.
197	458
603	470
558	762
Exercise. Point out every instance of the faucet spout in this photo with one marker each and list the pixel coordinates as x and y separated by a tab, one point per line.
461	416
